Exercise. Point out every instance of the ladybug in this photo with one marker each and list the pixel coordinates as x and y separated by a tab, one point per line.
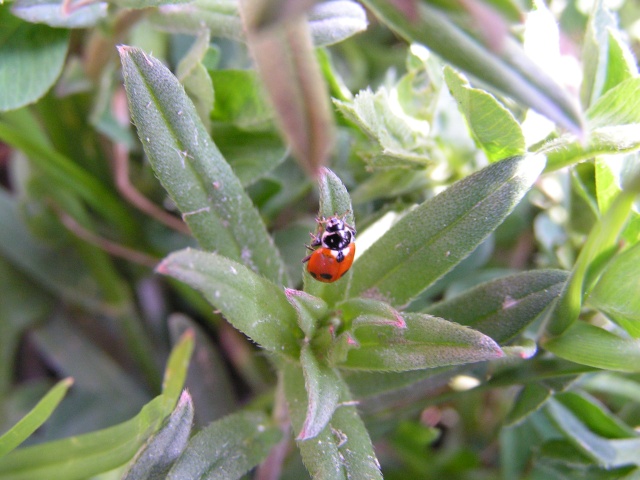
334	256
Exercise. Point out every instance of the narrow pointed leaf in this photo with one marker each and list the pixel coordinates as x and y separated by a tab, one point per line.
431	239
228	448
322	384
156	457
596	347
425	342
508	70
289	69
191	168
35	418
529	400
251	303
343	449
504	307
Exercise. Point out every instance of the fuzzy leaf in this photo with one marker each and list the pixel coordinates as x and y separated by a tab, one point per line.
155	458
31	59
335	21
425	342
52	13
190	167
431	239
504	307
251	303
227	449
35	418
493	126
322	384
507	69
343	449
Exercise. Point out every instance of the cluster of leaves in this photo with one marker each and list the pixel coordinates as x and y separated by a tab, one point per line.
442	177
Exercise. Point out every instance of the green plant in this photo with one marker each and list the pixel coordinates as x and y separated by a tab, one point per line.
487	326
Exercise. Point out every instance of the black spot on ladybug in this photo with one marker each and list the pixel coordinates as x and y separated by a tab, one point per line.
313	275
326	276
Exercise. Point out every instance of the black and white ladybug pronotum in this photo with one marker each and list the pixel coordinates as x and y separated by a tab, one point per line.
335	239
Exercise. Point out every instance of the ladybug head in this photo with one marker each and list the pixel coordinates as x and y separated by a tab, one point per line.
334	224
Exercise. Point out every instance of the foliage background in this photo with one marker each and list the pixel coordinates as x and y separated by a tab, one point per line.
499	152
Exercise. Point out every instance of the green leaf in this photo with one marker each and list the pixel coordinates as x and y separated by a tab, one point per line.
309	309
431	239
599	245
504	307
322	384
343	449
605	452
56	14
594	346
177	366
228	448
493	127
425	342
35	418
529	400
251	303
616	293
86	455
619	106
508	70
157	455
195	78
192	170
31	59
335	21
289	69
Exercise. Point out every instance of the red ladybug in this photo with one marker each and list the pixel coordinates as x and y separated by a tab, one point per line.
335	255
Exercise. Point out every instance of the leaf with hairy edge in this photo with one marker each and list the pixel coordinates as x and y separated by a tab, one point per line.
156	457
596	347
434	237
504	307
35	418
289	69
343	449
251	303
191	168
425	342
322	384
228	448
493	126
509	70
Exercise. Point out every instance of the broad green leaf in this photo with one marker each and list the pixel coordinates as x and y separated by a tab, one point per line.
434	237
54	14
251	303
343	449
35	418
31	59
322	384
401	139
596	347
599	245
618	106
227	449
85	455
508	70
616	293
504	307
162	449
605	452
621	64
425	342
190	167
290	72
529	400
493	126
